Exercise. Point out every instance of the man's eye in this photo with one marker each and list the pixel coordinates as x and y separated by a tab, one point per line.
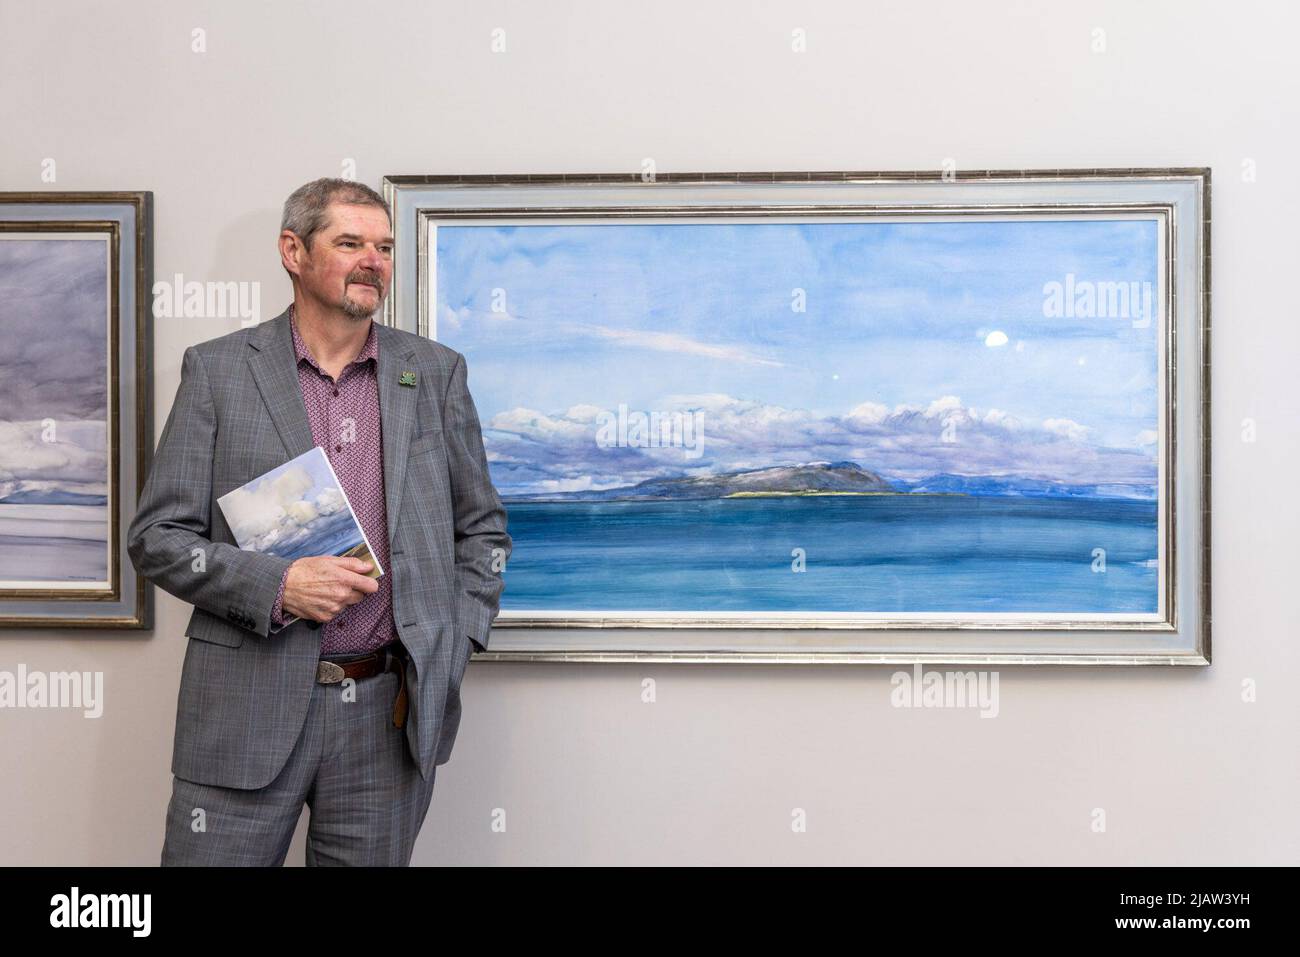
348	242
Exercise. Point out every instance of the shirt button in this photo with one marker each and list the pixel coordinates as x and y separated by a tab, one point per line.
336	391
338	448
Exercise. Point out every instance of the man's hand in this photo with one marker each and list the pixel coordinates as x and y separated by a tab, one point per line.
320	587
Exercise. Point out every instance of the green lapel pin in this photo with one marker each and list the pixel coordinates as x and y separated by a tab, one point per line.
407	378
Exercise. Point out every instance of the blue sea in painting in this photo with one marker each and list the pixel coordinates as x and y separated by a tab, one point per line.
897	553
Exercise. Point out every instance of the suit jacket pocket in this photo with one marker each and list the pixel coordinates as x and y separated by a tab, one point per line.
430	440
208	627
459	659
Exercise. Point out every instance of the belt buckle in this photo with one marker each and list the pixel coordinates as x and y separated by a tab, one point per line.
328	672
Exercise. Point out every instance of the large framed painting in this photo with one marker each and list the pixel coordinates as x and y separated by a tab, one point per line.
76	412
889	417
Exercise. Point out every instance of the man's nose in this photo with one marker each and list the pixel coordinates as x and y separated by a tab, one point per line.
372	260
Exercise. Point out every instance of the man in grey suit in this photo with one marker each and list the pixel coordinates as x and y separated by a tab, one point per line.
307	680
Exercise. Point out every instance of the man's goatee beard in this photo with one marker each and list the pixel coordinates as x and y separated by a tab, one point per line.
354	310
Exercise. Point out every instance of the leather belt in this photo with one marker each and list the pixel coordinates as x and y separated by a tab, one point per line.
391	657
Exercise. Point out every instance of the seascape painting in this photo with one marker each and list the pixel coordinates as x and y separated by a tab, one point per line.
937	418
55	412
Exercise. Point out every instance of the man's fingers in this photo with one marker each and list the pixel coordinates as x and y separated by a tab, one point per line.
352	572
362	583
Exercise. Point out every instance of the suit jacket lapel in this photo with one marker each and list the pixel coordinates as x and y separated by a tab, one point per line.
275	370
397	415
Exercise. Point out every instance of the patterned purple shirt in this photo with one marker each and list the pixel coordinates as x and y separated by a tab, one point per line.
345	422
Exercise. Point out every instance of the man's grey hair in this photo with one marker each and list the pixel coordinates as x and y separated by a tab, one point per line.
306	211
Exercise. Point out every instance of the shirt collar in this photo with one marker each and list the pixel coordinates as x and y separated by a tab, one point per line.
368	351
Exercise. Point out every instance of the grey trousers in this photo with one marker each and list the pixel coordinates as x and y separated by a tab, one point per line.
350	766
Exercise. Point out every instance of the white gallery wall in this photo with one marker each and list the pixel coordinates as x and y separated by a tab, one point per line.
1187	767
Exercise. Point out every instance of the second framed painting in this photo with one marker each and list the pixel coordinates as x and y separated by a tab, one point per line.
880	417
76	409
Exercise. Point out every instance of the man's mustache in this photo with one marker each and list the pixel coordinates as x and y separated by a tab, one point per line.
368	279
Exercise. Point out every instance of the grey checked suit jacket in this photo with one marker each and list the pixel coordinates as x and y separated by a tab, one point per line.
238	413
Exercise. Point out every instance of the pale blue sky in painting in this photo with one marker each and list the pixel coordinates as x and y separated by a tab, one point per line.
893	340
54	366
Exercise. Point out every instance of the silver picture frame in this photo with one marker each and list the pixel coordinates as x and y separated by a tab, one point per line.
1178	197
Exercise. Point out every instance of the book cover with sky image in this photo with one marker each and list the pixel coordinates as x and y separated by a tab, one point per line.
298	510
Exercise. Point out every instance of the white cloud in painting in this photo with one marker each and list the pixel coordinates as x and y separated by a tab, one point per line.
1067	429
535	451
999	418
630	340
455	319
996	338
868	413
449	318
574	427
50	456
673	342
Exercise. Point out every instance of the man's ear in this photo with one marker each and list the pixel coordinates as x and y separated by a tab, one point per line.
291	251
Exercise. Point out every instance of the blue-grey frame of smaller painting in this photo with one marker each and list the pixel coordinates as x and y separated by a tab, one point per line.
75	269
